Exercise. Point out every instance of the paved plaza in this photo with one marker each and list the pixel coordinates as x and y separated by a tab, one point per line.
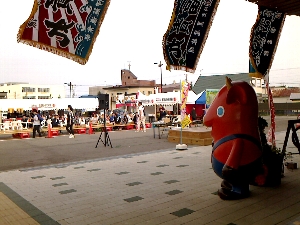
154	187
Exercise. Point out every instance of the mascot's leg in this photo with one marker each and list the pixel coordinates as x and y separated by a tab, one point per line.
236	192
233	186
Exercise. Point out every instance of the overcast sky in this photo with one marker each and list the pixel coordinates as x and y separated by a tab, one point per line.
132	31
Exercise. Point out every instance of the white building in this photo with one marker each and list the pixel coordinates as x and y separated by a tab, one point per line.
31	91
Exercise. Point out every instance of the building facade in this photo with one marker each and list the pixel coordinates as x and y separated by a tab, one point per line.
31	91
127	91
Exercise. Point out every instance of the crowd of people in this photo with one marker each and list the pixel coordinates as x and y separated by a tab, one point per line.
36	120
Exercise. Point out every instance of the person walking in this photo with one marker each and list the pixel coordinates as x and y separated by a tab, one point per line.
142	118
70	122
37	119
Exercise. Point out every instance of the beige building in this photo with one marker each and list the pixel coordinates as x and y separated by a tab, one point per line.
125	93
31	91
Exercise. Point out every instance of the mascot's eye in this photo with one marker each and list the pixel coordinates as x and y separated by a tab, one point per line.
220	111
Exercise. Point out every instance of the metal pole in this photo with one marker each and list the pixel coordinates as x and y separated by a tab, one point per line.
160	65
161	90
70	90
181	113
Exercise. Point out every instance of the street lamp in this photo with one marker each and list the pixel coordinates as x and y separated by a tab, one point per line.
70	84
159	65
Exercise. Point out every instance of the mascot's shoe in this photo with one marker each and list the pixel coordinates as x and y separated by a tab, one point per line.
225	184
227	194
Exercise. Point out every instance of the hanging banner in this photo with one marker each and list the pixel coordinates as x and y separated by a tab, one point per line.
187	33
271	132
67	27
185	120
264	38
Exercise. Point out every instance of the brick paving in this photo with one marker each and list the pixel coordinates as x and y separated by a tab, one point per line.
161	186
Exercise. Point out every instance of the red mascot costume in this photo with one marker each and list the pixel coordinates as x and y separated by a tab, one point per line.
236	154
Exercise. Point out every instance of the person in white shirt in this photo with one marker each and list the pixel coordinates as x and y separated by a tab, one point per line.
37	123
142	118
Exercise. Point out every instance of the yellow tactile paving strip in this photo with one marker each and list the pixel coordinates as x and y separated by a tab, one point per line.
10	213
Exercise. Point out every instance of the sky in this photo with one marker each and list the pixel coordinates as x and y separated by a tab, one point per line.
132	32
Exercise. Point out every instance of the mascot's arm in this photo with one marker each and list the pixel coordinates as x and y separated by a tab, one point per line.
236	153
229	170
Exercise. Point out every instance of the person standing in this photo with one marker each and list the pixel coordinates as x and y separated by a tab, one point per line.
37	119
70	121
142	118
193	114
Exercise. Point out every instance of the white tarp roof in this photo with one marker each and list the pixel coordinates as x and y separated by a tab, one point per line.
192	97
147	100
88	104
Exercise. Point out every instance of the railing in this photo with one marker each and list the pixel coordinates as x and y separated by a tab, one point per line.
281	109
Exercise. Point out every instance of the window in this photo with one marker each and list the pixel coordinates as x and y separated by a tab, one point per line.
43	90
29	97
149	92
128	77
143	92
44	97
28	89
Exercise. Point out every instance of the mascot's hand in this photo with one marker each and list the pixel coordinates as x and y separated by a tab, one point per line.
229	173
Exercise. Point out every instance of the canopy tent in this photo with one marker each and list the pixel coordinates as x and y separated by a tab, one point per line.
165	99
146	100
201	99
192	97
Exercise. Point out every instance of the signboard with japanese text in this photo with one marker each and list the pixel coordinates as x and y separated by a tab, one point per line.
185	122
67	27
187	33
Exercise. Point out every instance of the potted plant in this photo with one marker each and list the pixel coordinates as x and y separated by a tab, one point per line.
272	157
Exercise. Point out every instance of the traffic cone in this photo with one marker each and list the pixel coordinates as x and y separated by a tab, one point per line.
49	132
91	128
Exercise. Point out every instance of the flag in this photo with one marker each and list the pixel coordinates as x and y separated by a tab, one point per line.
185	120
187	33
65	27
264	38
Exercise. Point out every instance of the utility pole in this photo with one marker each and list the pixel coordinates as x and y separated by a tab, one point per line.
160	65
70	85
70	89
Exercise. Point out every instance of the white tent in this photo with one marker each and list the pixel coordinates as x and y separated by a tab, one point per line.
87	104
192	97
146	100
170	98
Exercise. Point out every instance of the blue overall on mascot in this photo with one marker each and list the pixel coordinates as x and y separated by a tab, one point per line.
236	154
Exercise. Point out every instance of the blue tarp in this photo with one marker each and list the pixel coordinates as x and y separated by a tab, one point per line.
202	99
